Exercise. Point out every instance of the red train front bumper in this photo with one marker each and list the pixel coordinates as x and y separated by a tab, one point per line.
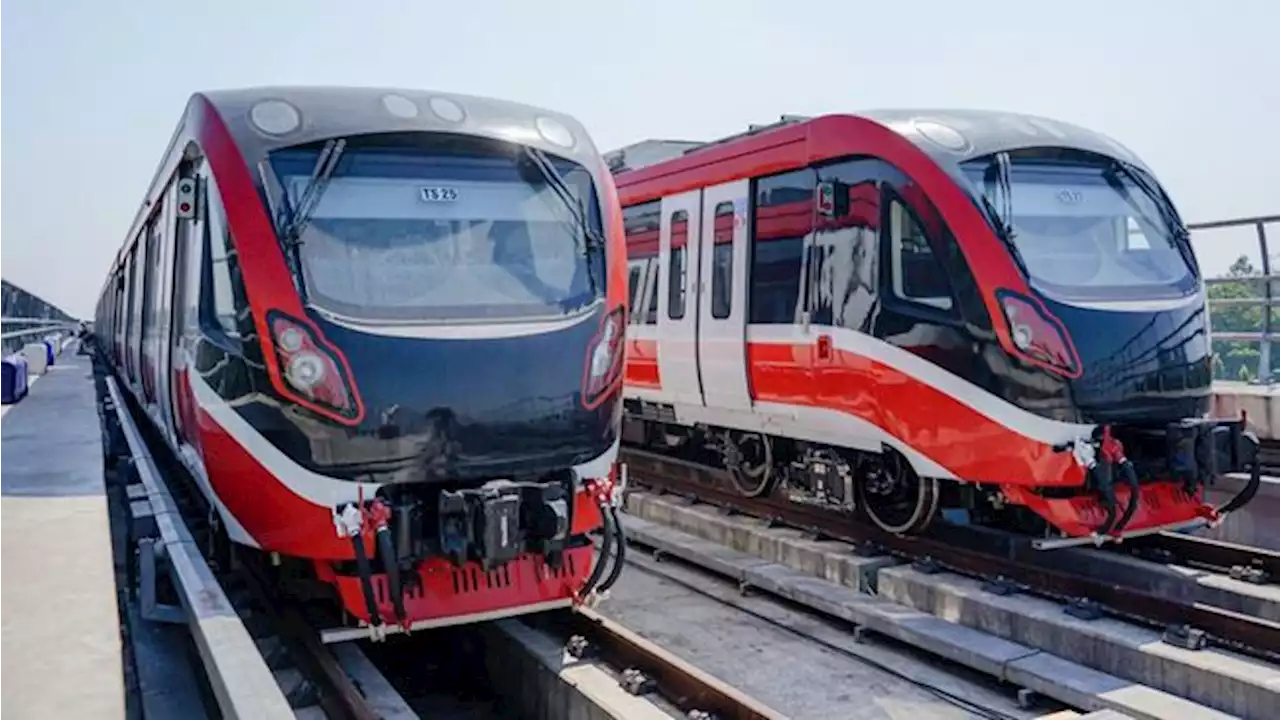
449	595
1161	506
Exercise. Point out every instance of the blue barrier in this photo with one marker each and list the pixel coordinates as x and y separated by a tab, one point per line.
13	379
49	354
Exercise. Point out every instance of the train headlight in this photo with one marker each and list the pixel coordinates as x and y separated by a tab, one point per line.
291	340
1038	336
602	356
554	132
315	374
275	117
603	371
306	370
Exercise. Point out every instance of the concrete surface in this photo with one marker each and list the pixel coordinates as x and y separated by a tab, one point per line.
1070	682
533	672
781	669
1260	402
1219	679
61	624
1256	524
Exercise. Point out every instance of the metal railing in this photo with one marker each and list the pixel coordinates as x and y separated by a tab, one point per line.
1267	298
12	341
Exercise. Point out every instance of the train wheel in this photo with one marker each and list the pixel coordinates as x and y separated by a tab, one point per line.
749	459
896	499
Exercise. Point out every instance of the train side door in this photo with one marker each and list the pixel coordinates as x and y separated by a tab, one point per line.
722	309
678	293
189	253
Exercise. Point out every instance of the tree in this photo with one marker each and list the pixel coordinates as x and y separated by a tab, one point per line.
1234	359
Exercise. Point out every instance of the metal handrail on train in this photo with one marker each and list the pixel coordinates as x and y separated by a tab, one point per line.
1266	300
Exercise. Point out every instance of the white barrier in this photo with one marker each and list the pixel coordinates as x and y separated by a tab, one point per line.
37	355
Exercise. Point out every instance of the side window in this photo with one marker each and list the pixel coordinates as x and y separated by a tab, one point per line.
640	225
783	217
679	266
915	272
651	310
633	282
151	282
219	254
844	259
722	262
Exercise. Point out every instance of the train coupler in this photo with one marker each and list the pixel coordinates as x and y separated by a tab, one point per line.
1201	450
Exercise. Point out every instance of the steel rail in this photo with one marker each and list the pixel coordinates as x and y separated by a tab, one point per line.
690	689
957	549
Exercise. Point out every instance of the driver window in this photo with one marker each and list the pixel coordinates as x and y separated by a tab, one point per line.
917	274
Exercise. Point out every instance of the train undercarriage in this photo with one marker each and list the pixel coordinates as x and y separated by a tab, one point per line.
1157	484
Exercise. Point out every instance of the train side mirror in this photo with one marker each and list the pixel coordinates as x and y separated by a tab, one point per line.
832	198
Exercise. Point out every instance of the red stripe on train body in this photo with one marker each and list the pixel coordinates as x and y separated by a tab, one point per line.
915	312
356	307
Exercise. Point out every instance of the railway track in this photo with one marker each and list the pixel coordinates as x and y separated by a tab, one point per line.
267	659
261	658
1251	564
644	667
995	556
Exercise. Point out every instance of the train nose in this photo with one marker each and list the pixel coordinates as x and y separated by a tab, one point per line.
1141	366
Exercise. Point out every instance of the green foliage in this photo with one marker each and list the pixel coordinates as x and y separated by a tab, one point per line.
1237	360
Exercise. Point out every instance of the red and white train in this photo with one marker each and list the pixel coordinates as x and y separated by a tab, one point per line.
993	316
383	330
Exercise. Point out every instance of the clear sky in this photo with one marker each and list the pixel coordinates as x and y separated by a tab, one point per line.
94	88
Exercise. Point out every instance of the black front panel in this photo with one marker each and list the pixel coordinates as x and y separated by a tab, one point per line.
470	408
1142	367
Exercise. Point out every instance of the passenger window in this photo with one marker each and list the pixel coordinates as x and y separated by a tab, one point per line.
221	255
679	267
722	262
651	310
917	274
782	217
633	282
640	226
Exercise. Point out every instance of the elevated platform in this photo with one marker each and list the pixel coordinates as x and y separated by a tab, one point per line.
1261	402
61	623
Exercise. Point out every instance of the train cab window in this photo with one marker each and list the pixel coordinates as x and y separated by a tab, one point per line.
676	280
916	274
219	254
783	217
722	262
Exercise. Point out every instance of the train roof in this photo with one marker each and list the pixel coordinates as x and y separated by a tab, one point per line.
259	118
948	135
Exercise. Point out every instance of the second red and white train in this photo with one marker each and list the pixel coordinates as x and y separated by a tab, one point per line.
993	316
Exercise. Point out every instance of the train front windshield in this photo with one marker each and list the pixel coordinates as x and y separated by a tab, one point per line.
441	230
1085	227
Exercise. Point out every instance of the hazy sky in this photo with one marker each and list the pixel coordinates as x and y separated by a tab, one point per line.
94	89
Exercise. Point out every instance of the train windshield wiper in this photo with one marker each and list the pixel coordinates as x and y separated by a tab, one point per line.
577	210
997	176
298	216
1181	236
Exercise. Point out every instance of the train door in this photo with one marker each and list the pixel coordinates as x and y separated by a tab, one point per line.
164	313
722	308
678	298
188	254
